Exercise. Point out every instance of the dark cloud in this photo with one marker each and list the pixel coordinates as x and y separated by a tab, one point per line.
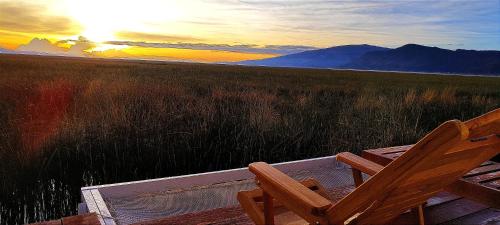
81	39
248	48
289	48
30	18
130	35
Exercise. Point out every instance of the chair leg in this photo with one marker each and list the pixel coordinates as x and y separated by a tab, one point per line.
268	208
357	176
421	219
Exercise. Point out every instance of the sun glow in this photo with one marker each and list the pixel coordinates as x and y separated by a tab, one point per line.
98	35
102	19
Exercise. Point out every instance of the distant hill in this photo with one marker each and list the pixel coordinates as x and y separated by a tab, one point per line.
5	51
421	58
410	57
322	58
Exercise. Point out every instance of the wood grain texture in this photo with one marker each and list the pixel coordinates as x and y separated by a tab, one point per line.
359	163
51	222
84	219
293	195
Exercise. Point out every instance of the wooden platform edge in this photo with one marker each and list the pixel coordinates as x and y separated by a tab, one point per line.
95	204
84	219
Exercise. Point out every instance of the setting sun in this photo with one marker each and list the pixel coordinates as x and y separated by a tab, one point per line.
101	20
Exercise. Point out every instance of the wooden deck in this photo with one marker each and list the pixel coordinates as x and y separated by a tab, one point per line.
84	219
481	184
443	209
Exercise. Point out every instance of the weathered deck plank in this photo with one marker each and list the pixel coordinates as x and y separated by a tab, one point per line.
491	216
483	170
52	222
84	219
444	208
480	184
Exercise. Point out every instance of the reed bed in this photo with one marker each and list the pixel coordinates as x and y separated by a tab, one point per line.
68	123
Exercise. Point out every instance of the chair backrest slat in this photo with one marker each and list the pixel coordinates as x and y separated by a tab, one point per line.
483	125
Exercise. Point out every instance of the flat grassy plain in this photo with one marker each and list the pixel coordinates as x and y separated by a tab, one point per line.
67	123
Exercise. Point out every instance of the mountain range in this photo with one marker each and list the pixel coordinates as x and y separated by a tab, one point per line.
409	58
320	58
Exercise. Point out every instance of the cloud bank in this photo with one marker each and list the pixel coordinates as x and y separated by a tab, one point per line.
83	47
31	18
44	46
246	48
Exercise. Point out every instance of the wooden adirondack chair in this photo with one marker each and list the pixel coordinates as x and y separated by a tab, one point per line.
436	161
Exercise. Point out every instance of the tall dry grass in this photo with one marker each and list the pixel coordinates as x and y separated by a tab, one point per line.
67	123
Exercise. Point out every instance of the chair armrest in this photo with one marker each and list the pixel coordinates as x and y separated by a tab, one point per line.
359	163
293	195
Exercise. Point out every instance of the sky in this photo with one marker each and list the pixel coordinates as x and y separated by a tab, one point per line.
235	30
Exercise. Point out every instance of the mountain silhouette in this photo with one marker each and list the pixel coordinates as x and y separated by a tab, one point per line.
419	58
409	58
321	58
5	51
